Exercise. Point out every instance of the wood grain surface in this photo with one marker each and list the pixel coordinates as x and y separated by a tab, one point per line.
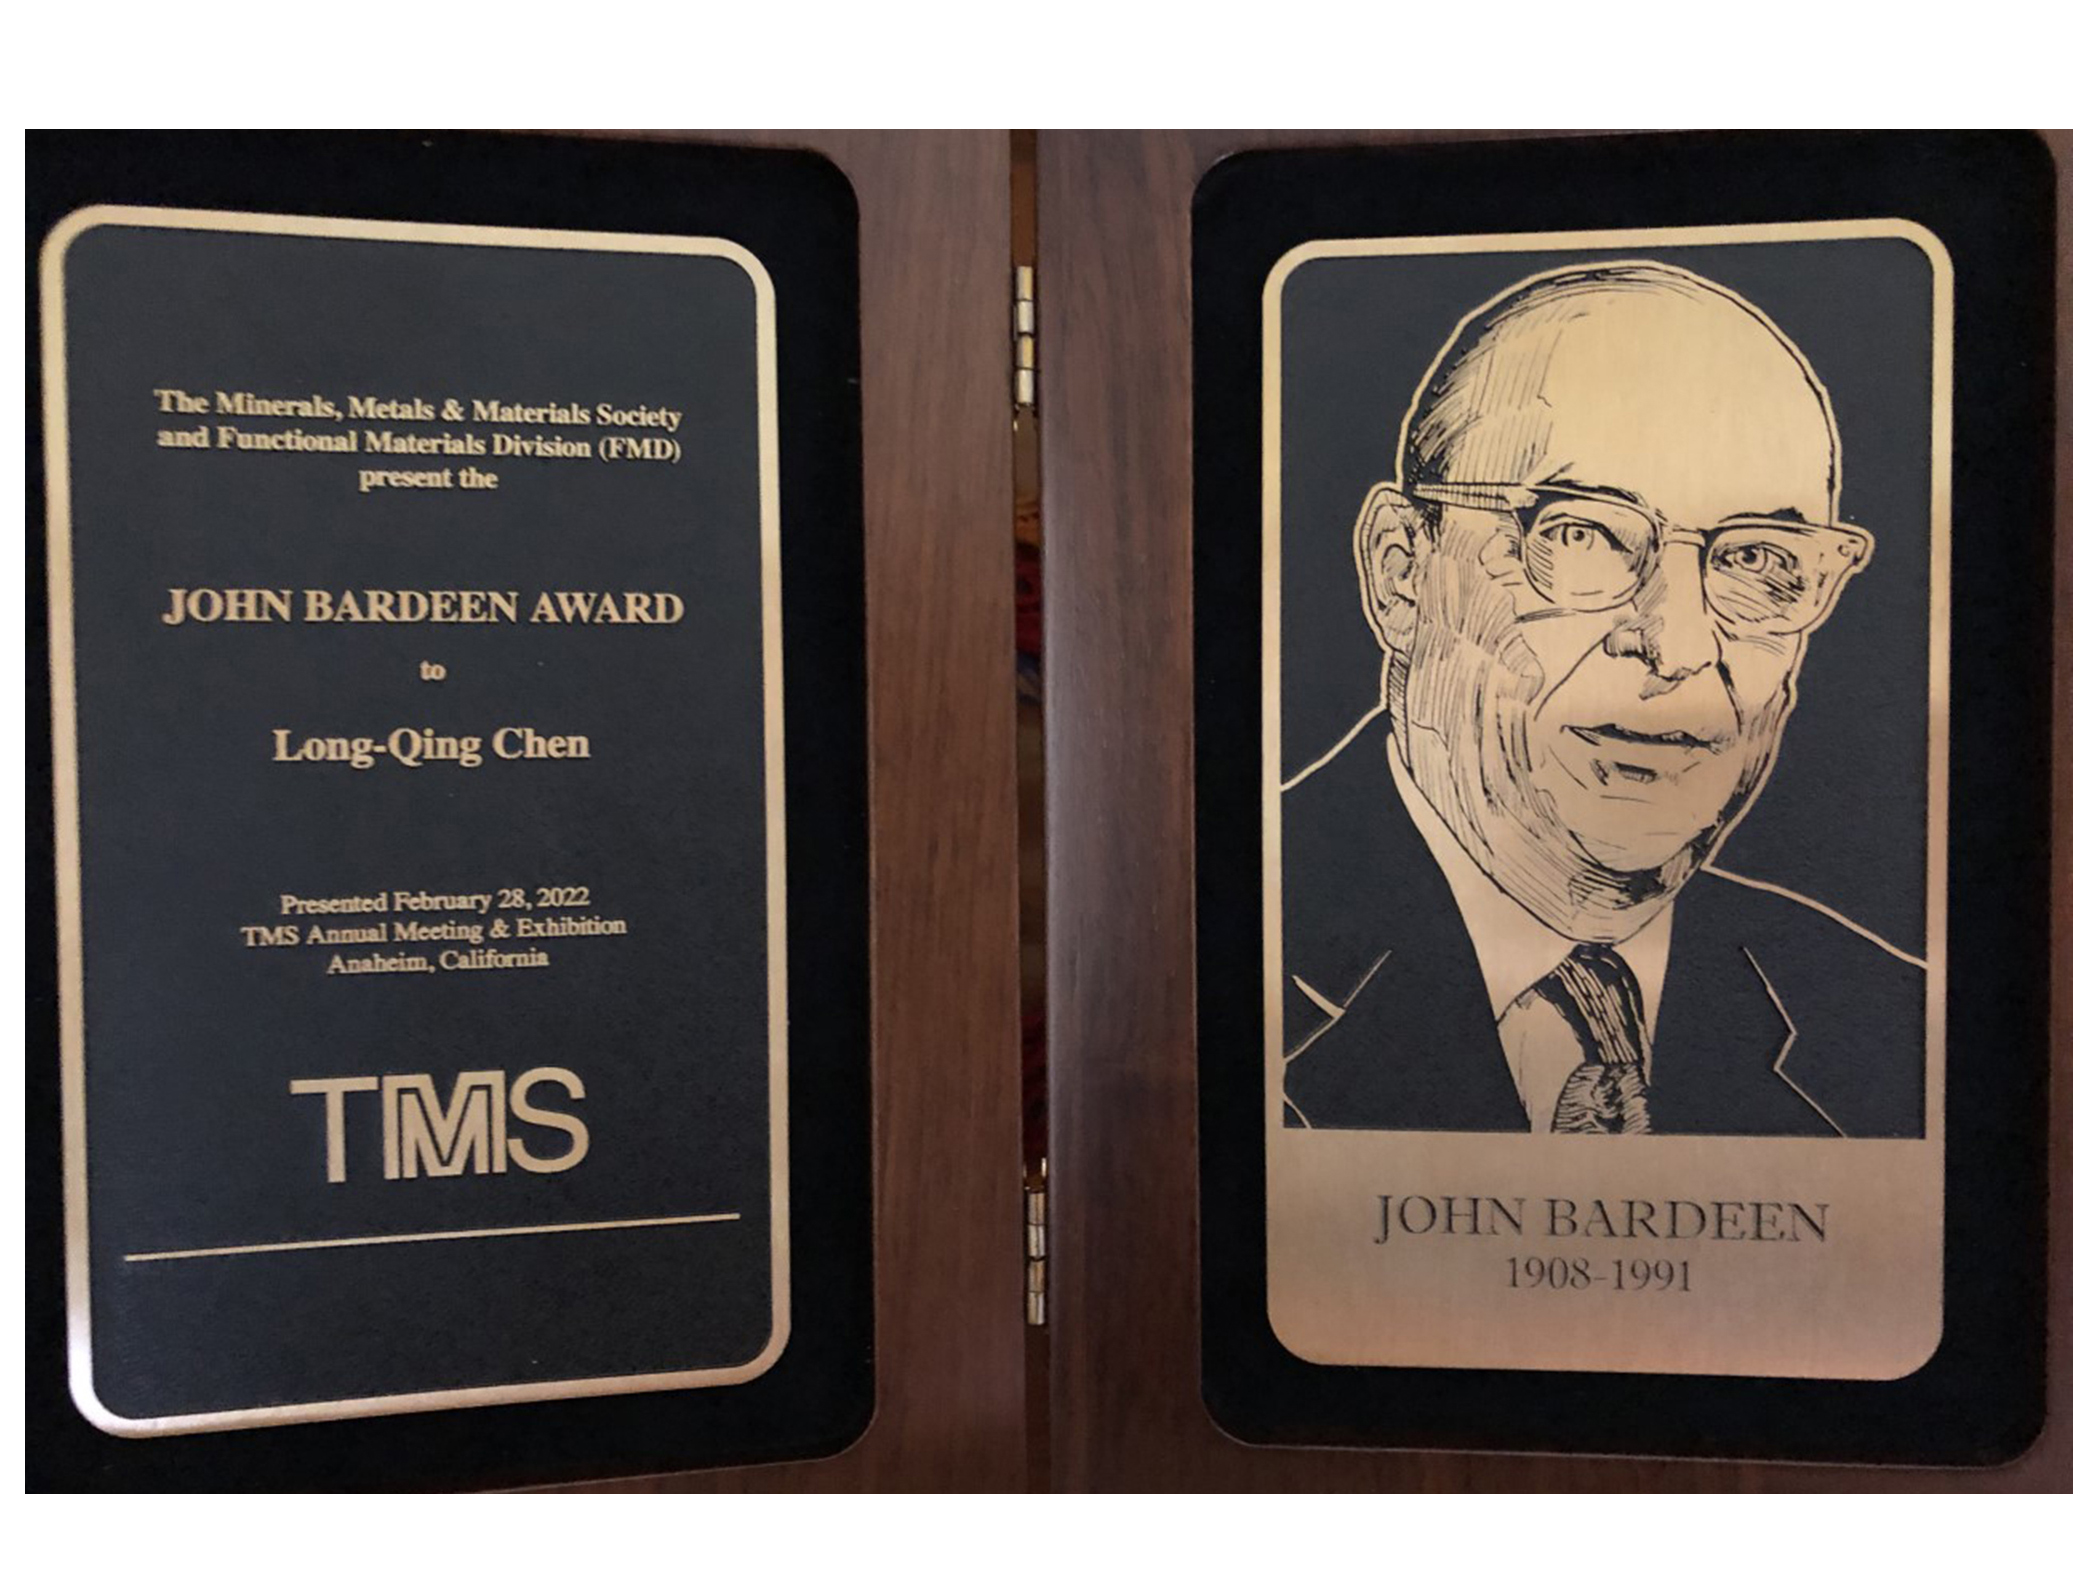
1116	459
935	301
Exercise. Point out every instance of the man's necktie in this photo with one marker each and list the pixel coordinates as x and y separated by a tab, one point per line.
1599	998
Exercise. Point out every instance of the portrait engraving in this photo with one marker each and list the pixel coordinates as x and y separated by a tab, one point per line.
1614	525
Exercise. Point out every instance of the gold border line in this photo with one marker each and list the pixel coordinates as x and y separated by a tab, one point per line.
65	782
431	1235
1940	659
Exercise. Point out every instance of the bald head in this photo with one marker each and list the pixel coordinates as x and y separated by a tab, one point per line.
1633	377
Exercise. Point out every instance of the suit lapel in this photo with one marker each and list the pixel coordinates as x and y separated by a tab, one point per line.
1416	1047
1722	1033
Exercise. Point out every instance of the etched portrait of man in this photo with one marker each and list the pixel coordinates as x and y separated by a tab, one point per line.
1614	526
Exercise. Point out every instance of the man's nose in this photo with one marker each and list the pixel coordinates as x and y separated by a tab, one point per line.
1668	625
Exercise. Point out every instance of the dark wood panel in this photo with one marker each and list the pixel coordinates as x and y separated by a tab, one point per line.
1116	462
935	292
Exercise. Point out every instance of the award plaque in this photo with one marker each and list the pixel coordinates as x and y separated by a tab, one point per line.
1588	764
430	748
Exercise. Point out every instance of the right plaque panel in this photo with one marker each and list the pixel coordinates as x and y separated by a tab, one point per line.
1604	825
1622	654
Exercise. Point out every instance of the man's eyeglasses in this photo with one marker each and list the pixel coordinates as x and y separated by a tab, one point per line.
1589	553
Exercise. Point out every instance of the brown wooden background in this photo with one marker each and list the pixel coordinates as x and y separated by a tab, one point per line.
935	292
1126	1412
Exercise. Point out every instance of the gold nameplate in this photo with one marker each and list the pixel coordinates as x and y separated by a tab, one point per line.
1606	666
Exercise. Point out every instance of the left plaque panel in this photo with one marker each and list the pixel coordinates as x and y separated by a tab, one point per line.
420	774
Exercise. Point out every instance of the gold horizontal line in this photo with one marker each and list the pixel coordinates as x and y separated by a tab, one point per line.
432	1235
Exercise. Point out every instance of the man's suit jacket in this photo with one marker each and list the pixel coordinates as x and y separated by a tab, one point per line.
1776	1019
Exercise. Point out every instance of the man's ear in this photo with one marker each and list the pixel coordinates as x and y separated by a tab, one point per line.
1390	536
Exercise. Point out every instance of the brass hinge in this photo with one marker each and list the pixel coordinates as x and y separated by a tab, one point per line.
1036	1186
1023	337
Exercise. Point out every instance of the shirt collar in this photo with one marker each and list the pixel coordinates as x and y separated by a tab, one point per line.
1515	948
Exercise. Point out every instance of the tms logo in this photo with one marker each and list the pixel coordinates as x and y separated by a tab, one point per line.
421	1135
